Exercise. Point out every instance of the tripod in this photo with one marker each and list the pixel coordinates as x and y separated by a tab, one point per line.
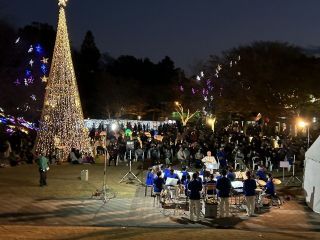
293	177
130	171
103	193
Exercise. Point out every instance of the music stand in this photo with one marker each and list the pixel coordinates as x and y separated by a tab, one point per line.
293	177
283	165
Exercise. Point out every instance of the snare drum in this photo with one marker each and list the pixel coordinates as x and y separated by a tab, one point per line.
261	183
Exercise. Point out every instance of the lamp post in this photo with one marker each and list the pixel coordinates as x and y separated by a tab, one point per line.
303	124
211	122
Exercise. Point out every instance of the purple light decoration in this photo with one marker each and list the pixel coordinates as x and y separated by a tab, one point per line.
30	80
181	88
203	91
9	131
193	91
17	82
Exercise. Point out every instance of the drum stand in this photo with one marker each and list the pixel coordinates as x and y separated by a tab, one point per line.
130	173
293	177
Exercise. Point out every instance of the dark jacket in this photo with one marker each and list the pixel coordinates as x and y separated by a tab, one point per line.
158	184
224	187
195	187
249	187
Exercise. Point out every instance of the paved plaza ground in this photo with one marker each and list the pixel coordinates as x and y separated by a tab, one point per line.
65	210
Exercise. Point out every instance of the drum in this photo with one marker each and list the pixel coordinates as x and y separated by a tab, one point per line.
259	190
262	183
276	181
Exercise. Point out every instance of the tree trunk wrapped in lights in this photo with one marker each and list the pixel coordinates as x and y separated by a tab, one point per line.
62	124
184	116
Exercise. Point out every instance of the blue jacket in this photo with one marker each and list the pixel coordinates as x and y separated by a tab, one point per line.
249	187
195	187
261	175
166	171
270	187
184	176
231	176
224	187
149	179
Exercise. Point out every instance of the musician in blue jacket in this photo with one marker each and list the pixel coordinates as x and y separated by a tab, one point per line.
249	189
261	173
224	187
194	188
158	183
269	189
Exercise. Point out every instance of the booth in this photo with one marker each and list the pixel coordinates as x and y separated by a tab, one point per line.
311	183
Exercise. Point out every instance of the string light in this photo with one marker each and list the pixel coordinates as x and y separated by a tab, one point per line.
62	118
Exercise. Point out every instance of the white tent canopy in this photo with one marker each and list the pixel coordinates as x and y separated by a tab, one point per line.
311	182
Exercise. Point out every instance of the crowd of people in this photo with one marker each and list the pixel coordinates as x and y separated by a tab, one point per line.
16	149
230	146
168	144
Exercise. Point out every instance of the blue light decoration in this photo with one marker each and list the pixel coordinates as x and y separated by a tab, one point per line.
38	48
28	73
44	68
35	70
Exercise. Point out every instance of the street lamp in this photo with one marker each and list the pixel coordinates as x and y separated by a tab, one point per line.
211	122
303	124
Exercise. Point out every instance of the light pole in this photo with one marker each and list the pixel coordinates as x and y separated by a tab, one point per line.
303	124
308	141
211	122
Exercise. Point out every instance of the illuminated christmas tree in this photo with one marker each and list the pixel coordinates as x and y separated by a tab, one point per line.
62	126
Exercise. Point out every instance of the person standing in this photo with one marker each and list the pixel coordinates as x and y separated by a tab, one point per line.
249	187
43	164
194	188
224	187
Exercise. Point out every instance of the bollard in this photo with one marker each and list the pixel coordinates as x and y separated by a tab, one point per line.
84	175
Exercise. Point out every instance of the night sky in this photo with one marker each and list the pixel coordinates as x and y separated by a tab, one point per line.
185	30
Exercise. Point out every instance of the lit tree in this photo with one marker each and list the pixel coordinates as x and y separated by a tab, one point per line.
62	126
184	116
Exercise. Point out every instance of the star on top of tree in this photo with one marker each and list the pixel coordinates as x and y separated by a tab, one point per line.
62	3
